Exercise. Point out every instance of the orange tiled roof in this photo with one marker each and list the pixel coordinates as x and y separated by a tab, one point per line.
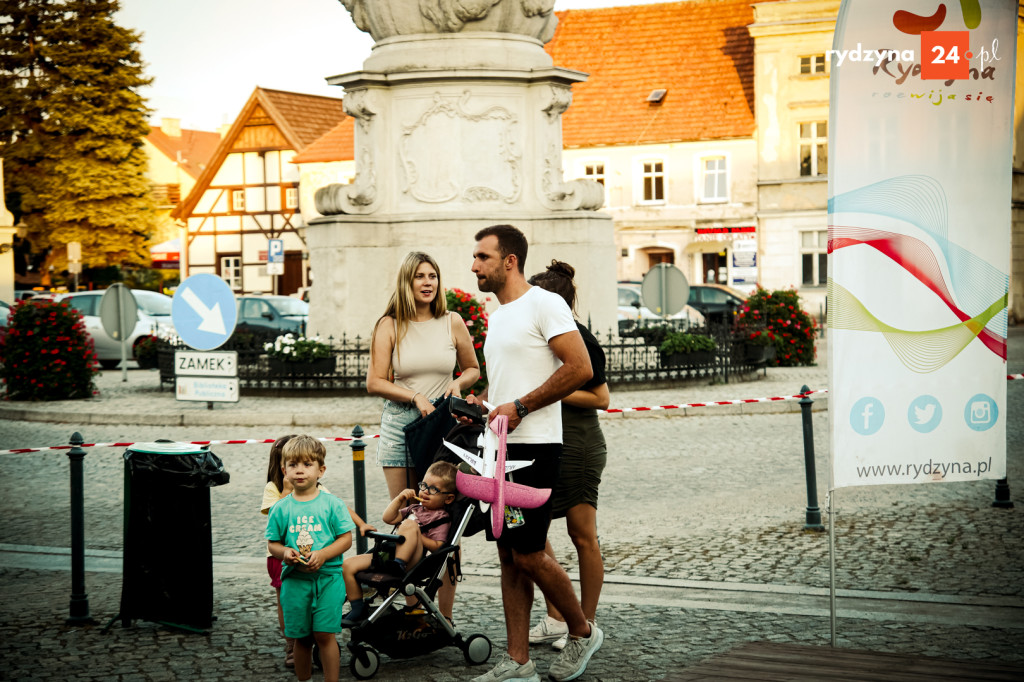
298	119
700	51
302	118
195	147
337	145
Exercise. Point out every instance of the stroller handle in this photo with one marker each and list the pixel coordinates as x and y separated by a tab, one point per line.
385	536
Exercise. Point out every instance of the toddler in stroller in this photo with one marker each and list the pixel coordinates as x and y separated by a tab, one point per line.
411	563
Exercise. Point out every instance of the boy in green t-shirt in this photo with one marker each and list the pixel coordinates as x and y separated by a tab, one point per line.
308	531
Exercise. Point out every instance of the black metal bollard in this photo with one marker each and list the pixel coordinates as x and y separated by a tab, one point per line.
79	610
813	519
1002	500
359	481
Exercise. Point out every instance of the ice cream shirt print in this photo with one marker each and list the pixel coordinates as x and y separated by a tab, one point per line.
309	526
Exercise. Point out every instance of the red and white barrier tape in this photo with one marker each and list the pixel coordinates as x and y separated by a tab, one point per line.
712	403
614	410
243	441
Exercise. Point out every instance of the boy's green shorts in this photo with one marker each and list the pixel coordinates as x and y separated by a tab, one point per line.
312	604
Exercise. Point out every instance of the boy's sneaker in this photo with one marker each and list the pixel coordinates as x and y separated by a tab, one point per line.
508	670
572	662
548	630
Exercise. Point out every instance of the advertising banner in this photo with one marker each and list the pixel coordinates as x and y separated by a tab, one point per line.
919	172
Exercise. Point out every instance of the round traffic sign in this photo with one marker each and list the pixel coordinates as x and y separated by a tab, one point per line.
118	312
203	311
665	289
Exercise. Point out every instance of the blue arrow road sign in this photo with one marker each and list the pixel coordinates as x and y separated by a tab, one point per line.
203	311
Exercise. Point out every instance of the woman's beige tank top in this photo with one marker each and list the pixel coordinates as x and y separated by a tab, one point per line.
427	357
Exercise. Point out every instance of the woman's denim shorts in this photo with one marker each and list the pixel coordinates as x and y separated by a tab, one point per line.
391	448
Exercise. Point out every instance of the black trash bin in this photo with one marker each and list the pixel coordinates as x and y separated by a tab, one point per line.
168	543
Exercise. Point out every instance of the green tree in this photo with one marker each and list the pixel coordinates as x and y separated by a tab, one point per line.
72	124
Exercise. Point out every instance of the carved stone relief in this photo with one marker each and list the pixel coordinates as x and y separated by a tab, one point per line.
386	18
559	101
360	196
573	195
453	153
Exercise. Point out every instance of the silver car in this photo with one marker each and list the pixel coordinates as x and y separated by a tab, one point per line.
154	317
633	313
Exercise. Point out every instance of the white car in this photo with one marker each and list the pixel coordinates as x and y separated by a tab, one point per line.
154	317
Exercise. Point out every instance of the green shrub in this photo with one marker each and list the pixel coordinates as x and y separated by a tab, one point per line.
681	343
145	351
474	315
779	313
47	354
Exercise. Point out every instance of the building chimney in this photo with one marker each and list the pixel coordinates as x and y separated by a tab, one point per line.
171	127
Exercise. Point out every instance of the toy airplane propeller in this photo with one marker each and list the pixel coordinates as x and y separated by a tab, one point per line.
491	486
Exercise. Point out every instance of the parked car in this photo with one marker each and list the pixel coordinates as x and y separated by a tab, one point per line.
154	317
271	316
716	301
5	310
632	312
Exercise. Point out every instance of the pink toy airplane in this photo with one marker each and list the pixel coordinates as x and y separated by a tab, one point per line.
491	486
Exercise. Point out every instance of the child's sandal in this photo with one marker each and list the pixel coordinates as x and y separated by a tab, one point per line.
289	652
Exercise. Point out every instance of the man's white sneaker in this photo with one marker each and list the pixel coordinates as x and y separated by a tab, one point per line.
508	670
559	643
548	630
572	662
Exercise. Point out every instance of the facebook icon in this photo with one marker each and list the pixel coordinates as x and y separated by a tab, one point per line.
867	416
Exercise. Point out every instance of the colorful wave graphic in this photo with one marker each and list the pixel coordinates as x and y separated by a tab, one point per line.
920	351
977	292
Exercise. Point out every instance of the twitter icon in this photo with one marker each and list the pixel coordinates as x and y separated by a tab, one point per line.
924	414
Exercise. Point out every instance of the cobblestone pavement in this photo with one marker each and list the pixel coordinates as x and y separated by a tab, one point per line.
711	500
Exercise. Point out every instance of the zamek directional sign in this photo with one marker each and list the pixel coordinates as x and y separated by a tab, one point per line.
210	376
207	364
203	311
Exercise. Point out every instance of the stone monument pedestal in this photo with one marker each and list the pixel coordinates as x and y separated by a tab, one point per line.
455	130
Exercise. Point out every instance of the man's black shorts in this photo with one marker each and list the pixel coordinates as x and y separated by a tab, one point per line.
532	535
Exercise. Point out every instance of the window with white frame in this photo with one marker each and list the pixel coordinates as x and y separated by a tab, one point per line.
231	271
814	258
238	200
814	63
291	197
652	176
716	180
594	171
814	148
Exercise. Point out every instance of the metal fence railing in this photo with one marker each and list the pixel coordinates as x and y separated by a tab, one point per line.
630	361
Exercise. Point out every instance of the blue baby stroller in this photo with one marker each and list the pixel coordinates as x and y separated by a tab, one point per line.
403	631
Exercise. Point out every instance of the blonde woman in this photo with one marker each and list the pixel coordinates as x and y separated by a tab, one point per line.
414	349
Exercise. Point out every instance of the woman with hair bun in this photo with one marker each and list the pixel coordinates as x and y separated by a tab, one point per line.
584	455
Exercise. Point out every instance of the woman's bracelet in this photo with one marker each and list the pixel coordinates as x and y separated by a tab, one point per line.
412	400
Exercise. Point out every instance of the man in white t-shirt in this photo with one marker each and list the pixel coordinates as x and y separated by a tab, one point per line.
535	357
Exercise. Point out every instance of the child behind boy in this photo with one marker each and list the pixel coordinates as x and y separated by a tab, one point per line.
308	531
424	527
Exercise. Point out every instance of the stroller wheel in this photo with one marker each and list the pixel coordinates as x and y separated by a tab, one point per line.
477	649
364	662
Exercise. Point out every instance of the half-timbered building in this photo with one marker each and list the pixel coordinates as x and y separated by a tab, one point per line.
249	193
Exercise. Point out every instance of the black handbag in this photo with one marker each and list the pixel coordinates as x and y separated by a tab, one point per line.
423	437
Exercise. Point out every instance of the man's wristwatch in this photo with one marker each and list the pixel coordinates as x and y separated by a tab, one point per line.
521	409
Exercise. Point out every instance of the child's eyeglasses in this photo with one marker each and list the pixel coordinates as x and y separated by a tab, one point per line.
433	490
